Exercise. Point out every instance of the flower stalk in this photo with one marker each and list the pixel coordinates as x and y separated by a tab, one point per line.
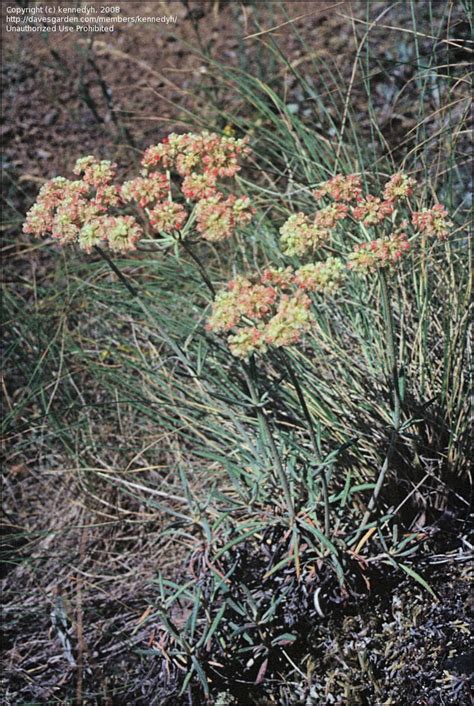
397	405
202	270
136	296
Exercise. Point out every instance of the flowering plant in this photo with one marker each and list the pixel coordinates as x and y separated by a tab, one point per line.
178	192
349	234
274	309
179	184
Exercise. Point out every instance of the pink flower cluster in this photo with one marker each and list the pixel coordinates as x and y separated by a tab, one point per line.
330	216
399	186
199	160
77	211
168	216
146	190
258	314
199	186
380	253
218	218
95	173
433	221
206	152
274	309
371	211
341	188
302	234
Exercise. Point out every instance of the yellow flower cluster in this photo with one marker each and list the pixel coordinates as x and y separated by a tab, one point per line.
324	276
300	234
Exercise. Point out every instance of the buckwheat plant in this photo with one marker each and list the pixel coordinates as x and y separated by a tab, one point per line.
179	198
176	199
385	238
275	309
177	194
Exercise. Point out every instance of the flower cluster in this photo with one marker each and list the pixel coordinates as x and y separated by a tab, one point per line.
274	309
300	235
340	188
205	152
77	211
292	319
433	221
120	232
96	173
217	218
199	160
146	190
279	277
198	186
372	210
324	276
246	341
256	314
383	252
399	186
330	216
168	216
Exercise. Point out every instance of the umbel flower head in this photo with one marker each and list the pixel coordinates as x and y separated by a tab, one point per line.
95	172
146	190
273	309
80	210
77	211
330	216
191	153
323	277
399	186
257	315
301	235
168	216
217	218
340	188
380	253
372	210
433	221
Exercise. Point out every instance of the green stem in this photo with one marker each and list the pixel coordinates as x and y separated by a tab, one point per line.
392	362
314	443
271	442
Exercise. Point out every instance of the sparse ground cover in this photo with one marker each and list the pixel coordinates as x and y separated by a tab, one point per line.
129	492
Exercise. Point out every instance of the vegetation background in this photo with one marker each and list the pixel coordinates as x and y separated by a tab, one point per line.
110	466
